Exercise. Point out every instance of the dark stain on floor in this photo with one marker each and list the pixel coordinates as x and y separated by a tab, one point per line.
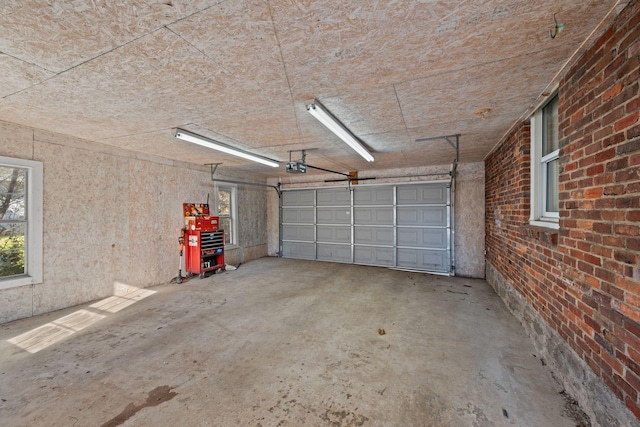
573	411
343	418
156	396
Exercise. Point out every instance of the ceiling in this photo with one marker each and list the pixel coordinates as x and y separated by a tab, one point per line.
127	73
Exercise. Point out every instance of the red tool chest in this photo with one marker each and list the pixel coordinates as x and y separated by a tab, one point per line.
204	241
204	251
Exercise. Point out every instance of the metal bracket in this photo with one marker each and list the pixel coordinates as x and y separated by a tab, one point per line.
455	145
214	167
304	153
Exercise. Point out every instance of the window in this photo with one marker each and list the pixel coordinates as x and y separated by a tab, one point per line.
20	222
545	150
228	213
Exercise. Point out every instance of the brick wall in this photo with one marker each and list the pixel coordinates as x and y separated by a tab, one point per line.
583	280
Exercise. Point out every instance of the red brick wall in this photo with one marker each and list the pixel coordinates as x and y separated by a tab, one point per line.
583	280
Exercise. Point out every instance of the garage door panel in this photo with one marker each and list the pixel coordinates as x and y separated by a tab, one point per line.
373	216
434	238
373	196
299	250
403	225
298	215
336	253
424	259
422	194
373	235
328	215
298	232
334	234
434	216
371	255
298	198
334	197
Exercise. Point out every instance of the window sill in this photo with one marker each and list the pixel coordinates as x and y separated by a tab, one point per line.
15	282
549	225
546	233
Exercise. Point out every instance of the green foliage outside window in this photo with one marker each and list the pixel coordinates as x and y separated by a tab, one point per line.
13	221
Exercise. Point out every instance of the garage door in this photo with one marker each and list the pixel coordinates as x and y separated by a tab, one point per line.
404	226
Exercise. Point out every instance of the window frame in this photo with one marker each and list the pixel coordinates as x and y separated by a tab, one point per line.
539	215
34	223
233	216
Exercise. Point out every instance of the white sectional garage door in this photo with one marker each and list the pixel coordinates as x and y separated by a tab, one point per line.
404	226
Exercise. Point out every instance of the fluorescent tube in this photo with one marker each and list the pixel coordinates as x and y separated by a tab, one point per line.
210	143
327	119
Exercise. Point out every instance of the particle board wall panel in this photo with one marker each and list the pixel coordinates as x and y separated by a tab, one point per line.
86	244
112	219
16	303
16	141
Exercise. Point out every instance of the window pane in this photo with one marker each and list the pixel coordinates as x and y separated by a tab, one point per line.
12	188
12	249
225	224
550	127
224	202
552	187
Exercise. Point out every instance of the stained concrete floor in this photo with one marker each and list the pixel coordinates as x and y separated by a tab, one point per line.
282	343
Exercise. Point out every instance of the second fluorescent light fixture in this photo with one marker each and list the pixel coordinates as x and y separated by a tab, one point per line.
210	143
326	118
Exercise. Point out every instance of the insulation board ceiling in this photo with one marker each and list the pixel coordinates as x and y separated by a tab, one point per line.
127	73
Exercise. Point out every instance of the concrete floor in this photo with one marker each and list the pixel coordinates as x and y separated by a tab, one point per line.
282	343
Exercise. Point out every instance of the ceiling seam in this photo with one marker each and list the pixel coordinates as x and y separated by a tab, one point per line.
26	62
200	51
286	145
284	68
145	132
222	67
395	91
103	53
82	63
481	64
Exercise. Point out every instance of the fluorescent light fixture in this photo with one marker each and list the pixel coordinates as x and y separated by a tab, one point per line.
326	118
210	143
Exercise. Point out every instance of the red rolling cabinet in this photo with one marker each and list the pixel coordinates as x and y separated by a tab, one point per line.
204	251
